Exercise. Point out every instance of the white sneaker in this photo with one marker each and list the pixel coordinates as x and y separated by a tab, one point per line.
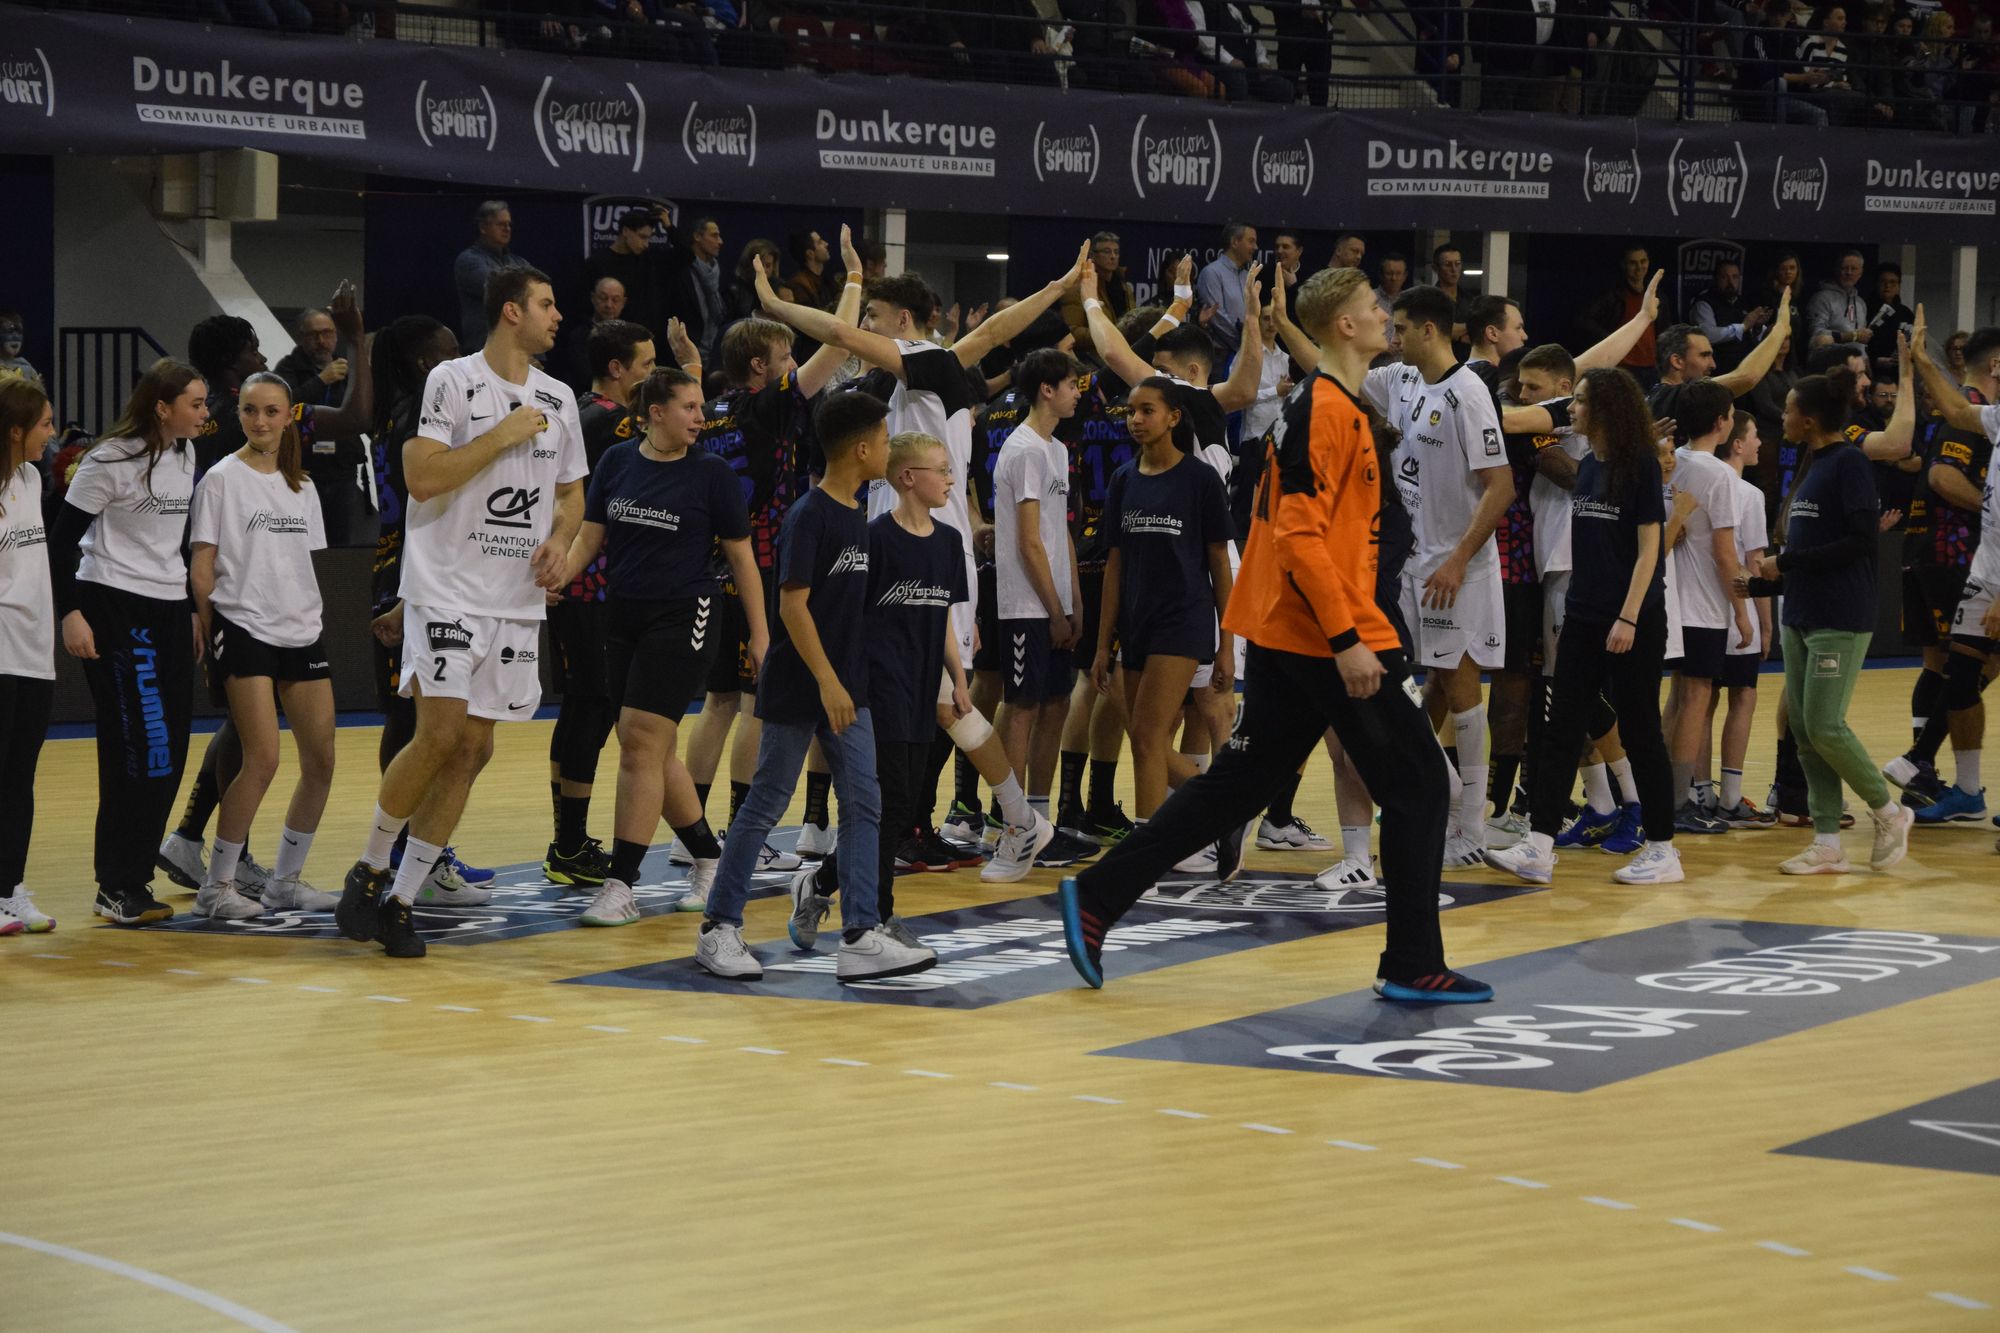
1892	838
1656	863
251	878
224	903
815	842
1016	854
289	893
20	906
1463	853
1202	862
968	829
445	888
810	908
720	951
769	858
1818	859
1522	861
679	855
899	931
1293	836
1506	829
183	860
701	878
878	954
1348	873
613	906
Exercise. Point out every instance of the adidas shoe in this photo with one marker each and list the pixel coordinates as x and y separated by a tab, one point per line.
1016	854
1083	935
1200	862
131	907
720	951
1348	873
613	906
701	878
1955	806
1523	861
810	908
1462	852
584	868
816	841
289	893
878	955
1656	863
1589	829
1630	834
1063	850
1446	987
20	906
358	912
1293	835
183	861
445	888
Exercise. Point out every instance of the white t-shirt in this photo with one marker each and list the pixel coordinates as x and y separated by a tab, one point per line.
468	549
1550	504
934	397
1030	467
1450	433
1697	577
1674	645
1985	569
1752	534
264	534
135	544
27	612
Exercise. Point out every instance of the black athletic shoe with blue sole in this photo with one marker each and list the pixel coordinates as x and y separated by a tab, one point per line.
1446	987
1086	960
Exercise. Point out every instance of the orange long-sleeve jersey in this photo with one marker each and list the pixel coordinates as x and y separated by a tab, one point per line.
1307	584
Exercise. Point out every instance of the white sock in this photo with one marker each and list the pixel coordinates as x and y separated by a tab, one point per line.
222	862
1354	843
1828	840
419	858
381	839
1968	771
1621	773
1014	807
1889	810
292	848
1469	734
1544	844
1597	789
1732	788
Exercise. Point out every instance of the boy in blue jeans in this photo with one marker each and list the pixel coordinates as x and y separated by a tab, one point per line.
813	676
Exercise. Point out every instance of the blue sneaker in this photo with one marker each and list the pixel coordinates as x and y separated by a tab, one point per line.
1086	957
450	861
1956	806
1629	836
1446	987
1589	828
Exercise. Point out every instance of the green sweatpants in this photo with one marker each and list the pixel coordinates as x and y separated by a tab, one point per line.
1821	667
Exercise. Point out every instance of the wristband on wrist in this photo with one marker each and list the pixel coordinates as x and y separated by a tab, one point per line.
1627	620
1093	304
854	279
1171	321
1183	292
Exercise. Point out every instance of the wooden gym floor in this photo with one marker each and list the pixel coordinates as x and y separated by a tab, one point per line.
273	1132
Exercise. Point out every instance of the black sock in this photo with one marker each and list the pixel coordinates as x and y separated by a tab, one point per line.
737	791
572	822
1926	699
555	807
925	799
967	793
1931	739
201	803
699	839
625	859
701	794
851	936
1103	785
1451	757
818	787
826	880
1500	790
1072	780
1280	809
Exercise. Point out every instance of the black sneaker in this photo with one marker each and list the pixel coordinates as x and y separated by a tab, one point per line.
1109	826
1066	849
396	927
1231	846
357	911
1446	987
131	907
587	867
1075	821
916	852
956	856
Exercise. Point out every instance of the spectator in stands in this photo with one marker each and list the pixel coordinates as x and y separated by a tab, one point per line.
1610	312
1527	48
1219	288
654	29
1440	51
1978	88
631	260
742	293
607	300
1930	69
14	336
1770	68
1246	65
1954	356
1349	249
1890	318
285	15
1789	273
1289	254
994	41
695	287
569	359
1174	45
1871	68
874	259
1113	289
315	364
1447	267
1726	317
1822	79
487	255
1305	47
1395	270
810	254
1838	312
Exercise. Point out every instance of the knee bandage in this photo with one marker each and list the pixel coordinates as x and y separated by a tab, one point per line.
971	731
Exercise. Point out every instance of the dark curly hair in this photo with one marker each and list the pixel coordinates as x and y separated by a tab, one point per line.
1620	423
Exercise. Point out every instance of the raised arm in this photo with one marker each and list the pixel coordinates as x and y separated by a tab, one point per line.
999	329
357	406
1758	362
1893	441
1301	348
1112	349
828	329
1240	389
824	364
1951	404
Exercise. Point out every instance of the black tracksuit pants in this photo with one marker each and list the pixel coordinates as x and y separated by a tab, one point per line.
24	722
142	684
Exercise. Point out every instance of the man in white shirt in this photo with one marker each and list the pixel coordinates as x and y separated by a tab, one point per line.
495	477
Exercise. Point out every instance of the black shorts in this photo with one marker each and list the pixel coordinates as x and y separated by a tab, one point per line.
1739	671
730	671
660	653
1521	605
1090	586
577	630
987	656
1930	600
1703	652
1036	670
234	651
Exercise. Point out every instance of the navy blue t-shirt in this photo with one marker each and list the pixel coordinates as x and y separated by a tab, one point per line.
990	429
823	547
912	583
1837	487
1162	526
662	520
1604	540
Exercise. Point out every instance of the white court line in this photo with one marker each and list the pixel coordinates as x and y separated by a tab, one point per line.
1522	1181
1872	1274
688	1041
1962	1302
182	972
845	1064
112	962
529	1018
457	1009
63	956
321	990
251	981
925	1073
1015	1087
599	1027
758	1050
1350	1145
1185	1115
1265	1129
1439	1163
1693	1225
386	999
207	1299
1098	1101
1603	1202
1791	1251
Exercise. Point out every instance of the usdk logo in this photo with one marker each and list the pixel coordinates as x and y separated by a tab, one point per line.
28	83
1072	154
1610	177
227	96
716	132
1713	180
1177	157
1695	273
456	115
1801	185
590	130
1282	166
601	213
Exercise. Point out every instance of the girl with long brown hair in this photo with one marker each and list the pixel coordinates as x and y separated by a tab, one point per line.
27	641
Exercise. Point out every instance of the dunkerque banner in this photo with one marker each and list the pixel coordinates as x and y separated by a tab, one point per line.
92	83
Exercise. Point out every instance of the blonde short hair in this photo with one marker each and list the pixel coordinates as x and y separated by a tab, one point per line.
908	450
1322	295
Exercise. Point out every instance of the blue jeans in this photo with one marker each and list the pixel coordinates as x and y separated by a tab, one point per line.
780	756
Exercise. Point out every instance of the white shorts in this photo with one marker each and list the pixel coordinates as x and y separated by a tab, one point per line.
1555	600
1475	626
1205	673
965	615
488	662
1968	621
